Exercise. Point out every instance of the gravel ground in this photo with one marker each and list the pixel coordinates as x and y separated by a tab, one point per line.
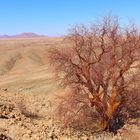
29	117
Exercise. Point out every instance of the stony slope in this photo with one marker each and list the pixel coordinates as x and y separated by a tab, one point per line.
30	117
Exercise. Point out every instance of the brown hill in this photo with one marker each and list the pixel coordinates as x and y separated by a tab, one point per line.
28	35
22	35
24	64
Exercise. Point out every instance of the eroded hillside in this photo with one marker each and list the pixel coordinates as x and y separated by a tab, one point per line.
24	64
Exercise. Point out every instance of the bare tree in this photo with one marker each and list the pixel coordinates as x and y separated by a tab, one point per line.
102	63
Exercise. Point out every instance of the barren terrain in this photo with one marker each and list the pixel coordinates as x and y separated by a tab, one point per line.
27	90
24	65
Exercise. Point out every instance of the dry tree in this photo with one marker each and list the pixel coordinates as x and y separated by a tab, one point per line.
101	66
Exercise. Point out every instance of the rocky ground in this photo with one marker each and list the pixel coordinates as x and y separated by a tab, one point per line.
30	117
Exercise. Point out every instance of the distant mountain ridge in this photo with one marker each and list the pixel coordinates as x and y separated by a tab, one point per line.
22	35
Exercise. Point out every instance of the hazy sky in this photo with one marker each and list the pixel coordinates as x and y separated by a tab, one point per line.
54	17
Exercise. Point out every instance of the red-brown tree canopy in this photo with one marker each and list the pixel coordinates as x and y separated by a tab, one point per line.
102	61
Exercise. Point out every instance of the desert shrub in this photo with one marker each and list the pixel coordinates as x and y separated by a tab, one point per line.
23	107
101	67
74	111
